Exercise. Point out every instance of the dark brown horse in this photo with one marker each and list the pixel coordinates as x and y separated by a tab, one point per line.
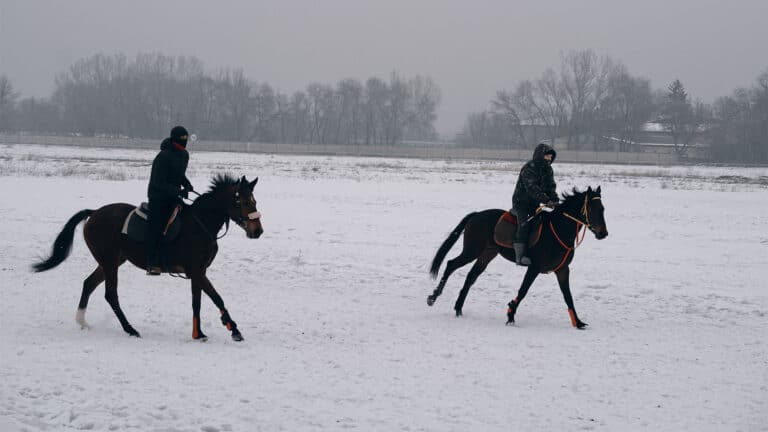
556	239
191	252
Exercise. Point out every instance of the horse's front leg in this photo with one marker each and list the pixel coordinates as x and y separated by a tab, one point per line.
530	276
565	286
196	294
225	318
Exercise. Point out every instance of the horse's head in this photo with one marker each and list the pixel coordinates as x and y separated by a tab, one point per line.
242	209
594	213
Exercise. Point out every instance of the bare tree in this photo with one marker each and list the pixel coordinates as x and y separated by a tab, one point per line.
551	94
8	98
265	111
237	104
424	98
375	99
349	120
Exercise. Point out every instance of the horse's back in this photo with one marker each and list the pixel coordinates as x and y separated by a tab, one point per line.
482	223
108	219
486	218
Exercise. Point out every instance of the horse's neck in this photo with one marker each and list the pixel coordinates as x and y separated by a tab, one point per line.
564	226
211	218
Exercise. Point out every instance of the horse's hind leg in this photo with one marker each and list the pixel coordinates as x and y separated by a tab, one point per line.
482	262
89	284
460	261
110	275
197	333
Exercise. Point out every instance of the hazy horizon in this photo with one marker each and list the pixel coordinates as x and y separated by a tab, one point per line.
469	51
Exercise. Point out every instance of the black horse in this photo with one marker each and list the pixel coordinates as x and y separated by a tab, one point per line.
191	252
555	241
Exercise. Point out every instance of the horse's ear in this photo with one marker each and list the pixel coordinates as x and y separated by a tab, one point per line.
253	183
589	189
598	189
243	180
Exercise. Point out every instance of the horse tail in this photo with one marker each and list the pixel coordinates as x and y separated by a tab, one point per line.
447	245
63	244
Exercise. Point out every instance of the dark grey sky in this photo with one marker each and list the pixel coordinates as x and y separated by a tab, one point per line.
471	48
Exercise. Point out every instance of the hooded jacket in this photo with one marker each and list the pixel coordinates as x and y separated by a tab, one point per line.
168	172
536	182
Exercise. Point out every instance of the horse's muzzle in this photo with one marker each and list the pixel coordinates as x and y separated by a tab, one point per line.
255	234
599	232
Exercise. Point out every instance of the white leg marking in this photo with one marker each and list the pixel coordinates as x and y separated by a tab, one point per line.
80	318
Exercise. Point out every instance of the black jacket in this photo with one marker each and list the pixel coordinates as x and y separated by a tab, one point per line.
536	182
168	173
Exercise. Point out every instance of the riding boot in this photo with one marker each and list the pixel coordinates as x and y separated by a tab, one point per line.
520	257
521	238
159	211
153	260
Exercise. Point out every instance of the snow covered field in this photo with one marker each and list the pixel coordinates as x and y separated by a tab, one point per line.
331	302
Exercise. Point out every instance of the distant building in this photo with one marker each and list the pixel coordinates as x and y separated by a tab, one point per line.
654	137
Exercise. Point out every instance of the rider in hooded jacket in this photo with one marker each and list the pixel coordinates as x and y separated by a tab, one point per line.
168	183
535	185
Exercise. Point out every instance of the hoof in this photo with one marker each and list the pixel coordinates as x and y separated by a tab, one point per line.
458	313
80	319
134	333
581	325
511	311
200	337
430	301
237	337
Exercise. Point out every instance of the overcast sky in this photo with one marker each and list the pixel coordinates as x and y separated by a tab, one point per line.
471	48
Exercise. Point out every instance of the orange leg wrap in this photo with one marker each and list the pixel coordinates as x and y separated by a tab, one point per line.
195	327
572	314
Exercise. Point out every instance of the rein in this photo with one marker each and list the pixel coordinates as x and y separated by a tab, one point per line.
202	225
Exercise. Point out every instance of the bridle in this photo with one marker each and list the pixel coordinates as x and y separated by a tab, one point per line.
241	220
584	213
579	224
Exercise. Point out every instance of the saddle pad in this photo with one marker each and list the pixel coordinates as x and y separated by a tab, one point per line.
505	230
135	225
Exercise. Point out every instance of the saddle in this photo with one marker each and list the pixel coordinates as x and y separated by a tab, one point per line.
506	229
135	225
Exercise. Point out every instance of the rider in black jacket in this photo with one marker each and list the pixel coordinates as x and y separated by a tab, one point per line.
535	184
168	183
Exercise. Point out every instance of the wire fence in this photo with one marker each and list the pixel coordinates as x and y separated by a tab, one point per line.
423	151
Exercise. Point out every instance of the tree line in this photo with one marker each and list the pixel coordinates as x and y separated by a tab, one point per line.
115	96
595	103
587	102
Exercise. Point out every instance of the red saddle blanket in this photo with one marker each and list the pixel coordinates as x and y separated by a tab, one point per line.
506	229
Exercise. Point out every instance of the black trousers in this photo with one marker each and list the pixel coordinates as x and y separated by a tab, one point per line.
523	227
159	212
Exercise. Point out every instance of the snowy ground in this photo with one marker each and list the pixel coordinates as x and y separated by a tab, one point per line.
331	301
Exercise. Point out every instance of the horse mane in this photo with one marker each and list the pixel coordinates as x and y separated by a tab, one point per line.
569	198
219	182
574	193
222	181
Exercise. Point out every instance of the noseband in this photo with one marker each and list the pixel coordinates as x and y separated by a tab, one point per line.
241	220
584	212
